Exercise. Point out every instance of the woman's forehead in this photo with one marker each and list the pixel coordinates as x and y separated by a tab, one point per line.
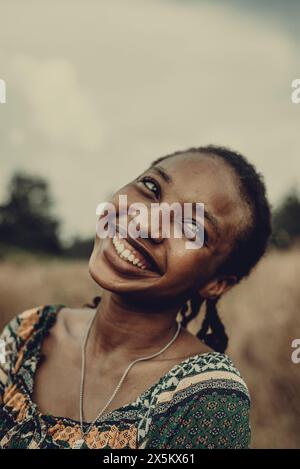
194	162
193	175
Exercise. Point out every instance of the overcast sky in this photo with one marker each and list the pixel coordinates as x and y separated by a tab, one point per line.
98	89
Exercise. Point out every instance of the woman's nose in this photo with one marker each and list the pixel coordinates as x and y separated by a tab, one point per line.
145	224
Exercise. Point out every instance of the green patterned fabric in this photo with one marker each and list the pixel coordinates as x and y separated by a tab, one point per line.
200	403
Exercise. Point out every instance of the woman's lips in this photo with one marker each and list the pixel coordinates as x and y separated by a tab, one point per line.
126	259
127	253
139	250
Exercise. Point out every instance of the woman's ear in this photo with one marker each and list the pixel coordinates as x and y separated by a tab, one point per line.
217	287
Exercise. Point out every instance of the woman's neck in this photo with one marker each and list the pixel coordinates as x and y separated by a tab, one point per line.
130	329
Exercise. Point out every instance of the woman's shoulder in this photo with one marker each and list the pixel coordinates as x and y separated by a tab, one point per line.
204	359
216	362
217	365
31	326
21	337
28	322
37	322
209	372
205	404
208	397
26	328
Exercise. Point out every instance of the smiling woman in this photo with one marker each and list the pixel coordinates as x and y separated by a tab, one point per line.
136	377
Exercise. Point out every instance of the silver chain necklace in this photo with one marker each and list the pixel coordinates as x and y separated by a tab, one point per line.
78	443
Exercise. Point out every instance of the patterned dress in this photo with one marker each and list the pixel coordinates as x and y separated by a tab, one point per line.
201	402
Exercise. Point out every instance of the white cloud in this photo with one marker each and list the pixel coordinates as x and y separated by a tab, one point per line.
59	108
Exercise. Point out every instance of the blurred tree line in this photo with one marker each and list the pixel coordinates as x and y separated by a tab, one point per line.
27	221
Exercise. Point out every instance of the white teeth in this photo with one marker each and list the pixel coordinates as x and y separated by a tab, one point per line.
126	254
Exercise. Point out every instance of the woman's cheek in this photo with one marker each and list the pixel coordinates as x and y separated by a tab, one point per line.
191	263
184	262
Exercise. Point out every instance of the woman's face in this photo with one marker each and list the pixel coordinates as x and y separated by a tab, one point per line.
178	271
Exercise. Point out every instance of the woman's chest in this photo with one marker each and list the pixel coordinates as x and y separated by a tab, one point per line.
59	379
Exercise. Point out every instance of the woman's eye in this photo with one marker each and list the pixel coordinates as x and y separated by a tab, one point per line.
152	185
192	229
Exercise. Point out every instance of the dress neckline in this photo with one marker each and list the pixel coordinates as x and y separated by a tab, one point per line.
47	319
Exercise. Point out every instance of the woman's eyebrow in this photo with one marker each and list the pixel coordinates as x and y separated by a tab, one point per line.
166	177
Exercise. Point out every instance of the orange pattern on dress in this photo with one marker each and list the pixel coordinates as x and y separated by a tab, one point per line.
15	400
25	330
19	359
67	433
95	439
28	320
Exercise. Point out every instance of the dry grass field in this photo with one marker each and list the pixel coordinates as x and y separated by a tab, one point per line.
261	316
